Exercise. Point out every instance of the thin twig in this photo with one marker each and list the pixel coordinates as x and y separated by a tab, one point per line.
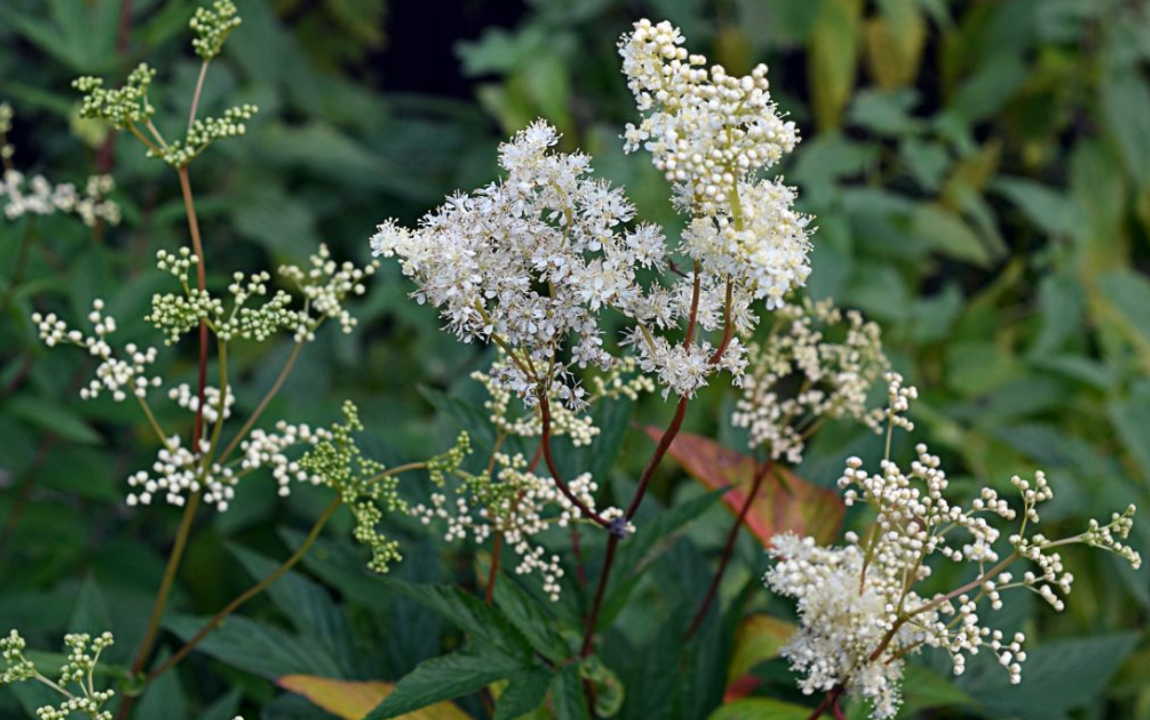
728	548
251	592
545	444
267	398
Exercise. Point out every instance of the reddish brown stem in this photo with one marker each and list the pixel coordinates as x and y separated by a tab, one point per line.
830	702
580	571
728	549
545	444
493	573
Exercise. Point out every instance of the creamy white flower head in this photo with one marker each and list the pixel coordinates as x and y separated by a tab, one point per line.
531	260
707	130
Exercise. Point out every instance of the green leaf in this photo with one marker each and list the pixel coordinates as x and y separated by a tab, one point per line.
1057	676
52	417
760	709
445	678
306	605
1129	294
1131	418
257	648
90	614
948	234
225	708
489	627
924	688
525	693
567	695
1126	107
163	698
833	59
531	618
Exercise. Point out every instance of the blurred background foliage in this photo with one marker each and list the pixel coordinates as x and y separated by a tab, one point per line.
980	170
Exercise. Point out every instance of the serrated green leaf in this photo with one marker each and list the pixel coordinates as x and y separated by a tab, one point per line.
445	678
525	693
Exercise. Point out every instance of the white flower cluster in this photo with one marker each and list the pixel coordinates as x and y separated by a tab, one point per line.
860	614
79	663
518	504
204	132
180	473
531	260
41	197
818	363
118	376
38	196
710	133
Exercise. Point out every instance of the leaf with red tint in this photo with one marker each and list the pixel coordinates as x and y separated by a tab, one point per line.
784	502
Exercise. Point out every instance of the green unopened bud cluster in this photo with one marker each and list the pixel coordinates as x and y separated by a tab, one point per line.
81	658
122	107
205	131
212	27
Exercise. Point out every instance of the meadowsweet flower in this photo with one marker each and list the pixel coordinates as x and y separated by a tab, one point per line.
74	682
710	133
859	607
529	261
818	363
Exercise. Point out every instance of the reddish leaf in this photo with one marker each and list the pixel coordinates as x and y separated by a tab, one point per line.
758	638
785	501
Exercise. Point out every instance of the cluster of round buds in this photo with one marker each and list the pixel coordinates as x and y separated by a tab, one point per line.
832	357
189	399
270	449
123	107
80	660
179	473
325	285
118	376
40	197
204	132
706	130
1110	536
212	26
898	402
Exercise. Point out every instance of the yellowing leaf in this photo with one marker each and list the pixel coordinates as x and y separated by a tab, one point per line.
834	59
759	638
353	700
784	502
894	48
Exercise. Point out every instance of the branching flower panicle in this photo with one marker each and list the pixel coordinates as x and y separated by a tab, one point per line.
75	684
860	612
818	363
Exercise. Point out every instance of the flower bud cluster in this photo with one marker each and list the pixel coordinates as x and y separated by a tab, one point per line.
6	148
211	27
119	376
179	473
80	660
706	130
270	449
325	285
860	613
818	363
123	107
204	132
189	399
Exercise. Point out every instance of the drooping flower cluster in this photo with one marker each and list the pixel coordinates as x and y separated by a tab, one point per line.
859	608
818	363
710	133
75	685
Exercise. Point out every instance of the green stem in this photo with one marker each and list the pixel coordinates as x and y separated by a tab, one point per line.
267	398
251	592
